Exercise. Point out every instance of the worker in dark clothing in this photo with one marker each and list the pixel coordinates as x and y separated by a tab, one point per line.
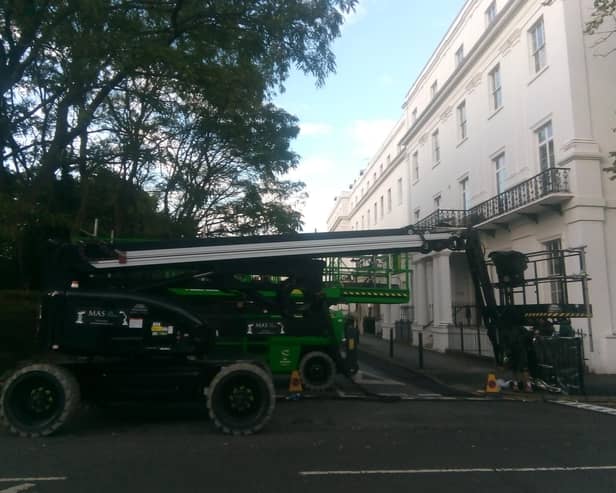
516	344
566	329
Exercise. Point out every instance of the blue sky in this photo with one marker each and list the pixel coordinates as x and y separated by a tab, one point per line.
383	47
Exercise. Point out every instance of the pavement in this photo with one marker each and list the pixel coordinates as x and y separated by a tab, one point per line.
459	373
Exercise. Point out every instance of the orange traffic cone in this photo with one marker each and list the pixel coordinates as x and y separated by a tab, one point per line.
492	386
295	383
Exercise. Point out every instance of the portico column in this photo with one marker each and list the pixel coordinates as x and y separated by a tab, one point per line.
418	294
442	289
441	286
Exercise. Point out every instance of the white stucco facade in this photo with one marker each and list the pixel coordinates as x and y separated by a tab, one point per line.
526	102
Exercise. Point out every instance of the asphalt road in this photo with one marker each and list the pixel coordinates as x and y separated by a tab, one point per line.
325	445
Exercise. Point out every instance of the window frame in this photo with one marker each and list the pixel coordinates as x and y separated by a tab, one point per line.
555	267
500	170
436	148
459	55
538	55
490	14
462	121
434	89
546	143
464	193
415	163
496	88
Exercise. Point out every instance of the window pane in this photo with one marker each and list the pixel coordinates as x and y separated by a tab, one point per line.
540	33
490	13
555	268
552	161
501	174
546	146
495	83
543	157
537	37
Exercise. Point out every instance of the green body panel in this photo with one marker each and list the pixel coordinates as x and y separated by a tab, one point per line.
333	294
283	353
370	281
360	294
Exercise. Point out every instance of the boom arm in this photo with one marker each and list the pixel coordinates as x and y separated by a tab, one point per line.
307	245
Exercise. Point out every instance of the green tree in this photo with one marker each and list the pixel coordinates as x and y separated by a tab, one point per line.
61	59
221	170
87	88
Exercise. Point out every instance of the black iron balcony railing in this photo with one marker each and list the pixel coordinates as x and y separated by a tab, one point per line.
443	217
549	181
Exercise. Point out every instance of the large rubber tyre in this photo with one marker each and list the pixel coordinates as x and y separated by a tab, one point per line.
37	399
318	371
241	399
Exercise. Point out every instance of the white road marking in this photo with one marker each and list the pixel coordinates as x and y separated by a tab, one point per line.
424	397
455	470
45	478
18	488
587	407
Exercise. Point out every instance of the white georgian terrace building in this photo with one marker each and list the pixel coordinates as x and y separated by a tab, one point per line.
514	99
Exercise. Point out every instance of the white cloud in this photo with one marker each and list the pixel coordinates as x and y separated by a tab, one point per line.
368	136
317	208
318	172
311	167
315	128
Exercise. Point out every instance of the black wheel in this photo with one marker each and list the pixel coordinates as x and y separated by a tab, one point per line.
37	399
241	399
317	370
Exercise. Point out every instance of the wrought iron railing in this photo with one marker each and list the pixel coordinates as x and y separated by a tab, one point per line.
551	180
443	217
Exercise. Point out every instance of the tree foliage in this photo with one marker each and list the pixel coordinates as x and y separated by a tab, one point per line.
103	99
602	23
603	9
